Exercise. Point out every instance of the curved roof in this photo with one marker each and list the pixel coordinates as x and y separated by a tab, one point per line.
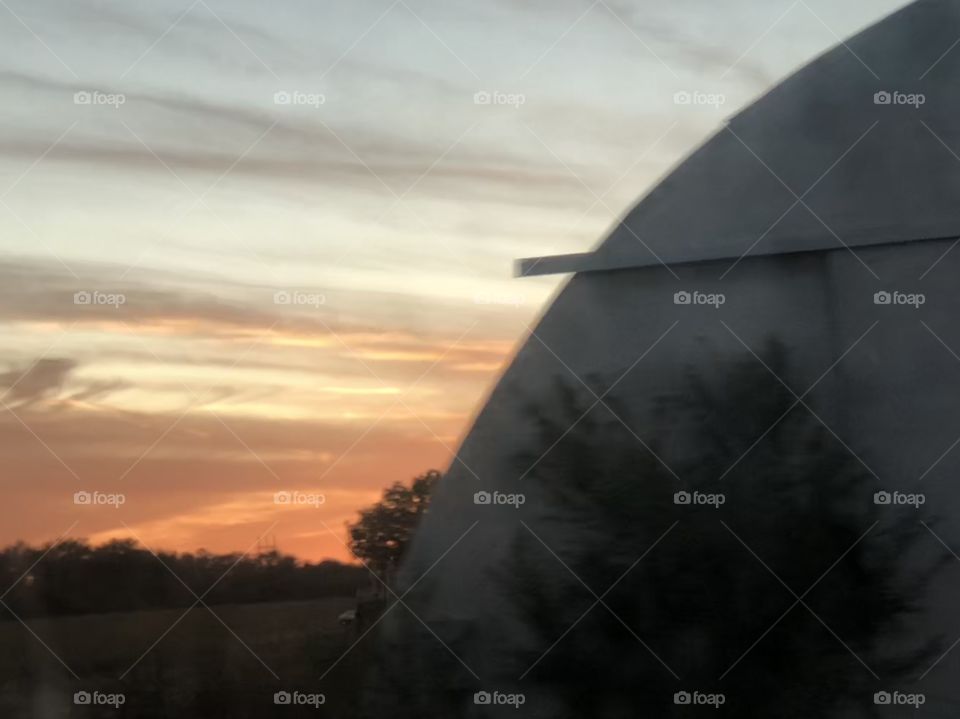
821	161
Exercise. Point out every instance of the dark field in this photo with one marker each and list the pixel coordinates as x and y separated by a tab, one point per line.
176	663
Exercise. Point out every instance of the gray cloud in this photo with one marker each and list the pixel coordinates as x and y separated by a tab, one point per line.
187	134
36	290
97	390
42	378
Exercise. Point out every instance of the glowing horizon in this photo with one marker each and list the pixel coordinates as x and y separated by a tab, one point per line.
245	251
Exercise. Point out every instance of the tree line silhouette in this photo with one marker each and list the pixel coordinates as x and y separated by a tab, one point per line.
73	577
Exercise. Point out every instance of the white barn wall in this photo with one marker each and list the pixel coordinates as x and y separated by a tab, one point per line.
892	399
880	176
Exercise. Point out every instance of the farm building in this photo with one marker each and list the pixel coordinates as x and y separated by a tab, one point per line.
822	219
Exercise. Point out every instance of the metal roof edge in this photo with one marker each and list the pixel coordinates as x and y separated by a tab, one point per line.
599	261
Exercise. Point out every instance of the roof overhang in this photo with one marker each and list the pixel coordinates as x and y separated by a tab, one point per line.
600	260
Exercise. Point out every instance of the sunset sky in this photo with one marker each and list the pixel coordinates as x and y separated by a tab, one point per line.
387	199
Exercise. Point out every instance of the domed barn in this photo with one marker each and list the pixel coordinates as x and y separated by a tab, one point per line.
824	216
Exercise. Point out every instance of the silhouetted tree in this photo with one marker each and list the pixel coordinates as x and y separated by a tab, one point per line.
710	598
381	536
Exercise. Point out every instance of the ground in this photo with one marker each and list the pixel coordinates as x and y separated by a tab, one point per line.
198	668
